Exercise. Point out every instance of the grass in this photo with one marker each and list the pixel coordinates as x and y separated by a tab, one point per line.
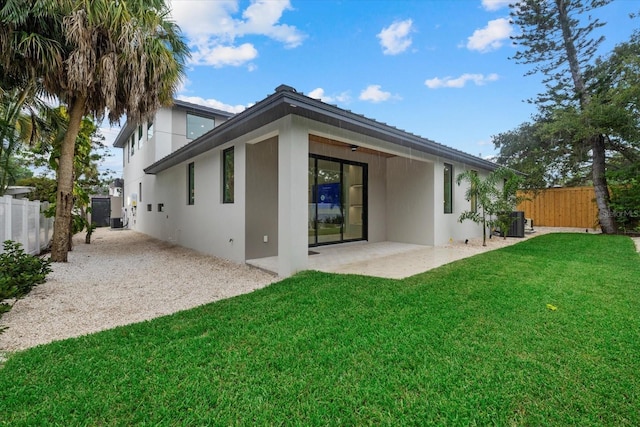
470	343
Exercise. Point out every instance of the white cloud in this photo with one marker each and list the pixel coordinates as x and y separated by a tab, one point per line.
492	5
212	29
262	17
318	93
459	82
374	93
395	38
213	103
491	37
220	56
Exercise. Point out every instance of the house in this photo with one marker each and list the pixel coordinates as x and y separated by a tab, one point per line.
289	173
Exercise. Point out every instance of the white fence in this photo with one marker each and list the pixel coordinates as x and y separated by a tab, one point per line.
23	221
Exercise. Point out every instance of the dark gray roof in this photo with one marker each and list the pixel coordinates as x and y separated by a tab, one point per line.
125	131
197	108
286	100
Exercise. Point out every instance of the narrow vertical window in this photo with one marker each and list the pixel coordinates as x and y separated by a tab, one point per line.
139	136
133	145
474	195
149	130
191	187
448	188
227	175
140	192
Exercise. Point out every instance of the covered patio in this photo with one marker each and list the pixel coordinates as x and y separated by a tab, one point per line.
397	260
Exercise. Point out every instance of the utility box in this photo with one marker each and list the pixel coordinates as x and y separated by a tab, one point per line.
116	212
517	225
100	211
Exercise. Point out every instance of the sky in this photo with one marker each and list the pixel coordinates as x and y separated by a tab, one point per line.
440	69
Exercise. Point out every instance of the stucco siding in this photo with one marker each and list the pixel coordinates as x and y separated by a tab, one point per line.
448	228
410	204
262	199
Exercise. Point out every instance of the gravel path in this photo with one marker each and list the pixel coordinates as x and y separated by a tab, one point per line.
121	277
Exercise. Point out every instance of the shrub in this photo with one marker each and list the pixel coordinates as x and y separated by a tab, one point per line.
19	273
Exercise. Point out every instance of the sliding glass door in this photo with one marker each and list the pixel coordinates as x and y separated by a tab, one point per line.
337	200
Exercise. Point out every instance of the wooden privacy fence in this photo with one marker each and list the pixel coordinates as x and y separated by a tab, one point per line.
562	207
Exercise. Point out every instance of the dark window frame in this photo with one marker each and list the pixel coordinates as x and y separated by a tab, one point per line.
228	175
474	198
448	188
191	183
199	133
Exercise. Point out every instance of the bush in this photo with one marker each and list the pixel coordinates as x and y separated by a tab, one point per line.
19	273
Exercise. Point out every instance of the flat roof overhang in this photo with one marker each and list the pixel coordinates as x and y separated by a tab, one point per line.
286	102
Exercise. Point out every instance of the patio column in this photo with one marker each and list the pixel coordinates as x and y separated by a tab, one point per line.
293	165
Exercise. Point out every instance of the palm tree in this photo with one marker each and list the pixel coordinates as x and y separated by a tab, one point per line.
19	124
492	199
122	57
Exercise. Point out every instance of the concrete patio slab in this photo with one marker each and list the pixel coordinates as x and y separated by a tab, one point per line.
399	260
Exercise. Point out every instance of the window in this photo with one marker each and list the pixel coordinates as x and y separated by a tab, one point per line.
448	188
139	136
149	130
198	126
140	192
474	195
133	145
227	175
191	196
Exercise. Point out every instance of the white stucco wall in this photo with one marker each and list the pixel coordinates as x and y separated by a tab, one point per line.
405	192
410	201
448	228
293	182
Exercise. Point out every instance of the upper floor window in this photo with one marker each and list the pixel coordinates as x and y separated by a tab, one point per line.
132	150
198	126
149	130
448	188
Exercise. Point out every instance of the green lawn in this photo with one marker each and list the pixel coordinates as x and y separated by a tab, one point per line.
470	343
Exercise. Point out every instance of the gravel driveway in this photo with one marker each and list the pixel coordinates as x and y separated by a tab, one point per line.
121	277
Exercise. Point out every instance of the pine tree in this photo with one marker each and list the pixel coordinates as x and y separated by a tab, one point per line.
557	40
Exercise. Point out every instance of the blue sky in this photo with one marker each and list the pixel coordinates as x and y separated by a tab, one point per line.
436	68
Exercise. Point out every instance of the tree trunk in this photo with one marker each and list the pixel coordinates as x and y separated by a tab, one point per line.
607	222
605	217
64	196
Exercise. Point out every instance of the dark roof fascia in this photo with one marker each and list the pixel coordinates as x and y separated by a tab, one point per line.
197	108
254	117
123	136
346	119
283	103
129	127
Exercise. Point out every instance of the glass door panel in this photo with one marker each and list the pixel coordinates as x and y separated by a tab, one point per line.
337	201
330	215
353	189
313	207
